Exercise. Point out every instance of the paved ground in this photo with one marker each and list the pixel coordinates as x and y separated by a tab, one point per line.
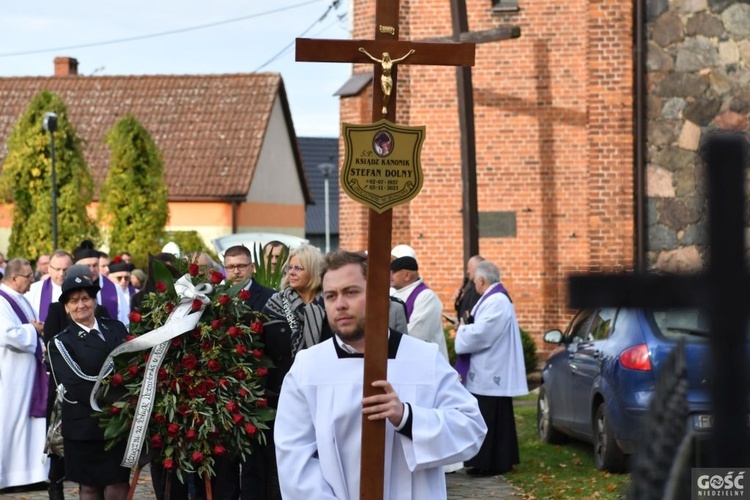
460	486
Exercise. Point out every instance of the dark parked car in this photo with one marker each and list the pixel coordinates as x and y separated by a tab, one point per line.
597	383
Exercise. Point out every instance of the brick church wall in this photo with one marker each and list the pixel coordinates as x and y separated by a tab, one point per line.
553	112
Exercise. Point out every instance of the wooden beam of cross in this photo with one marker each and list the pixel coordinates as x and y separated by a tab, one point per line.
383	51
722	290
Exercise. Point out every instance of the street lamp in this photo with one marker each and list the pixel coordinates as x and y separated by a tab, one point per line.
326	169
50	125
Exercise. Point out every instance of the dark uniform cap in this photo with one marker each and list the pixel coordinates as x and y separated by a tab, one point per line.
73	283
408	263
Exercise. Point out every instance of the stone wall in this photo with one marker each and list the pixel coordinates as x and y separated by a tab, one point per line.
698	71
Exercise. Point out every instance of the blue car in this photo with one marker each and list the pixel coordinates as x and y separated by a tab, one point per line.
597	383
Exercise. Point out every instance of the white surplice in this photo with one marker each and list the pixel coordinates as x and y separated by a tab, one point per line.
319	420
21	436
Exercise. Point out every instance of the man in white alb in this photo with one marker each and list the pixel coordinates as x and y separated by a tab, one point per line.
431	419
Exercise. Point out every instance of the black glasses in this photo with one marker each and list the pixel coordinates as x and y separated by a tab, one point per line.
236	267
122	278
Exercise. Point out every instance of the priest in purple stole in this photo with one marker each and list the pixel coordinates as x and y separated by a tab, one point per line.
496	371
23	382
43	293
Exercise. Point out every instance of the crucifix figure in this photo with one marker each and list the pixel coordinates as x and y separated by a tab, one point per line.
386	42
386	81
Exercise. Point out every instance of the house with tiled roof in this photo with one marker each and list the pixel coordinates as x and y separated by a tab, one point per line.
230	152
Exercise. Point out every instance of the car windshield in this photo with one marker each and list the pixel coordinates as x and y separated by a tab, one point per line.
675	323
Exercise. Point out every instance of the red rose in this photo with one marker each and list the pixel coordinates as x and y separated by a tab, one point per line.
240	374
133	370
170	307
197	332
244	294
117	380
168	464
199	420
129	337
234	331
216	324
197	457
241	349
162	374
135	317
257	326
157	441
262	371
190	435
202	388
223	383
211	398
214	365
173	384
189	362
243	393
114	410
232	407
262	402
225	299
258	353
238	419
160	286
251	429
216	277
219	450
210	383
117	259
187	378
159	418
183	410
192	393
194	269
176	341
173	430
206	346
196	306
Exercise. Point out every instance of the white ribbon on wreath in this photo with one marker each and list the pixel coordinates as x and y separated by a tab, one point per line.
181	320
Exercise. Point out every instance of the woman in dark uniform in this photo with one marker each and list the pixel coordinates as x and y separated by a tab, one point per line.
77	354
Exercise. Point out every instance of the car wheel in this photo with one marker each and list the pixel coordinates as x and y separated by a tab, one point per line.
607	453
545	430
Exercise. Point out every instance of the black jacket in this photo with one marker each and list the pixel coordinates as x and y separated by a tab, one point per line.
259	295
89	352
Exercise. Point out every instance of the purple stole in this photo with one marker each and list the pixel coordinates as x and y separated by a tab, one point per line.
40	388
413	298
46	299
463	360
109	297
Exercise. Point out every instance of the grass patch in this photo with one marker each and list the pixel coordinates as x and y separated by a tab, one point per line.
558	471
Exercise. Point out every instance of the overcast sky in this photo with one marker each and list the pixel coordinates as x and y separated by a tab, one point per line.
195	37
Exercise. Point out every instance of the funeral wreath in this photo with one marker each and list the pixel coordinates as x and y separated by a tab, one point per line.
207	394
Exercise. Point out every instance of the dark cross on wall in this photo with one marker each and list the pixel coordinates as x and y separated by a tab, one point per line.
723	290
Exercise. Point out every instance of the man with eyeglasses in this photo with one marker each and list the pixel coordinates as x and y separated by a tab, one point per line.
238	264
45	292
23	384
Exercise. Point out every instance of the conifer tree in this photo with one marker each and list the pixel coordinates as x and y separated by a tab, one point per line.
133	198
26	181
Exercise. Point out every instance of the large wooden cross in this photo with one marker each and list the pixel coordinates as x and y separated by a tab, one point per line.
383	50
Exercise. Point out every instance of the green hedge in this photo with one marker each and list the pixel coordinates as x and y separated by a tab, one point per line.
529	349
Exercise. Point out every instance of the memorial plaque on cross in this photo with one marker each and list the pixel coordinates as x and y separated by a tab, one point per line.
386	52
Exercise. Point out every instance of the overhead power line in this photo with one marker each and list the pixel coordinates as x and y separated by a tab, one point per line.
163	33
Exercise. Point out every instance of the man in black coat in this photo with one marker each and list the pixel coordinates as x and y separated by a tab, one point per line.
238	264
